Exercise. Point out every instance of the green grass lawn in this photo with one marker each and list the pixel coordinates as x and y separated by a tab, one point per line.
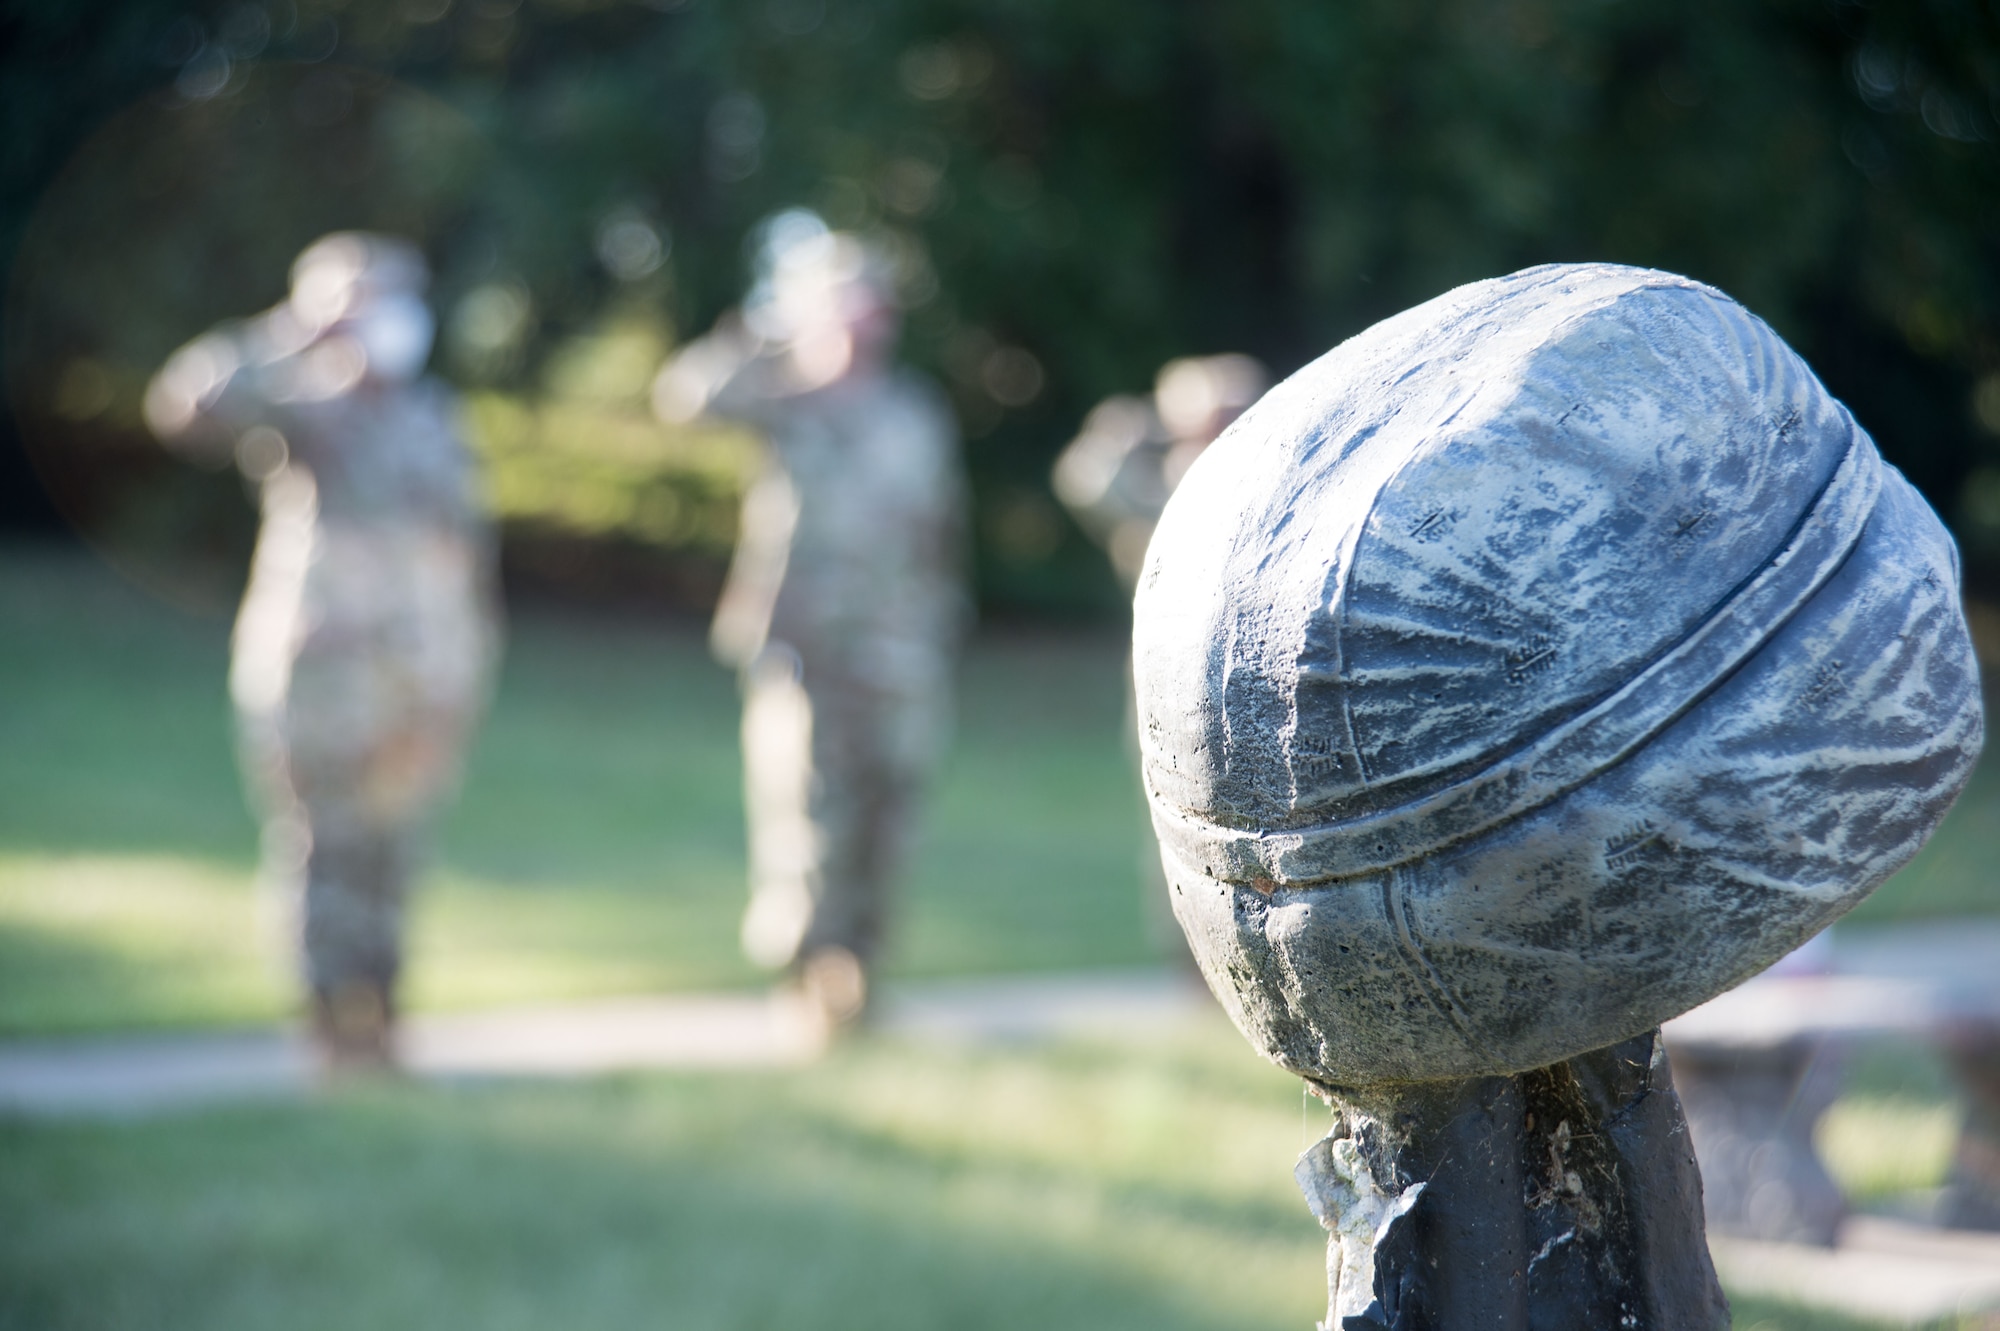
1088	1187
598	847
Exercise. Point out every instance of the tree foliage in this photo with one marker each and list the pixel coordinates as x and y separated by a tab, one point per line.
1075	192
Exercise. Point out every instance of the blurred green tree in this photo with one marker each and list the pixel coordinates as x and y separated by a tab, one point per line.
1075	192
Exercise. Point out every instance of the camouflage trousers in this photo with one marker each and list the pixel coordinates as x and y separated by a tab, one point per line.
347	880
832	773
358	670
349	887
346	876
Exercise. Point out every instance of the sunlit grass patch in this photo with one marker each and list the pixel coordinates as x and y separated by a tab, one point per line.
1877	1146
477	942
598	845
1891	1132
893	1187
802	1199
86	941
102	942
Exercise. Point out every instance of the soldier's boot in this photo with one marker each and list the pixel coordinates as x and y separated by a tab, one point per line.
354	891
829	989
353	1028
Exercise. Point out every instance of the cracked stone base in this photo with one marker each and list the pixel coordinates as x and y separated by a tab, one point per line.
1559	1198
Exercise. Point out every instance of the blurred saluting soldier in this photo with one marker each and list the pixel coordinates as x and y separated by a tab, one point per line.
1115	479
844	603
367	637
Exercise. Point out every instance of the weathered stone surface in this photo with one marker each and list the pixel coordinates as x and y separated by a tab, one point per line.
1532	667
1562	1198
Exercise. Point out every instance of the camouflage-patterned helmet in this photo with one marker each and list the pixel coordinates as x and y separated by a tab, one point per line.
1532	667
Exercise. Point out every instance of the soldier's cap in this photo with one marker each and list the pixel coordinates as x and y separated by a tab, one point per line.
339	271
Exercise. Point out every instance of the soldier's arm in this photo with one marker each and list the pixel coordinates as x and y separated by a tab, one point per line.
1098	475
724	373
189	404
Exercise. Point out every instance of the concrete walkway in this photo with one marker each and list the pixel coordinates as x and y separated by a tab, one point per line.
1886	979
1882	1269
142	1074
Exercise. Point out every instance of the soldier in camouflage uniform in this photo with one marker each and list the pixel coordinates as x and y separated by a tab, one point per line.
844	603
1115	478
365	643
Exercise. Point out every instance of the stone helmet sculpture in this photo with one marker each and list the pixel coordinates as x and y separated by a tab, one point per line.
1532	667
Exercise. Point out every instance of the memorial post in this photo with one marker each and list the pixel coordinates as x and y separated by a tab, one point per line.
1529	669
